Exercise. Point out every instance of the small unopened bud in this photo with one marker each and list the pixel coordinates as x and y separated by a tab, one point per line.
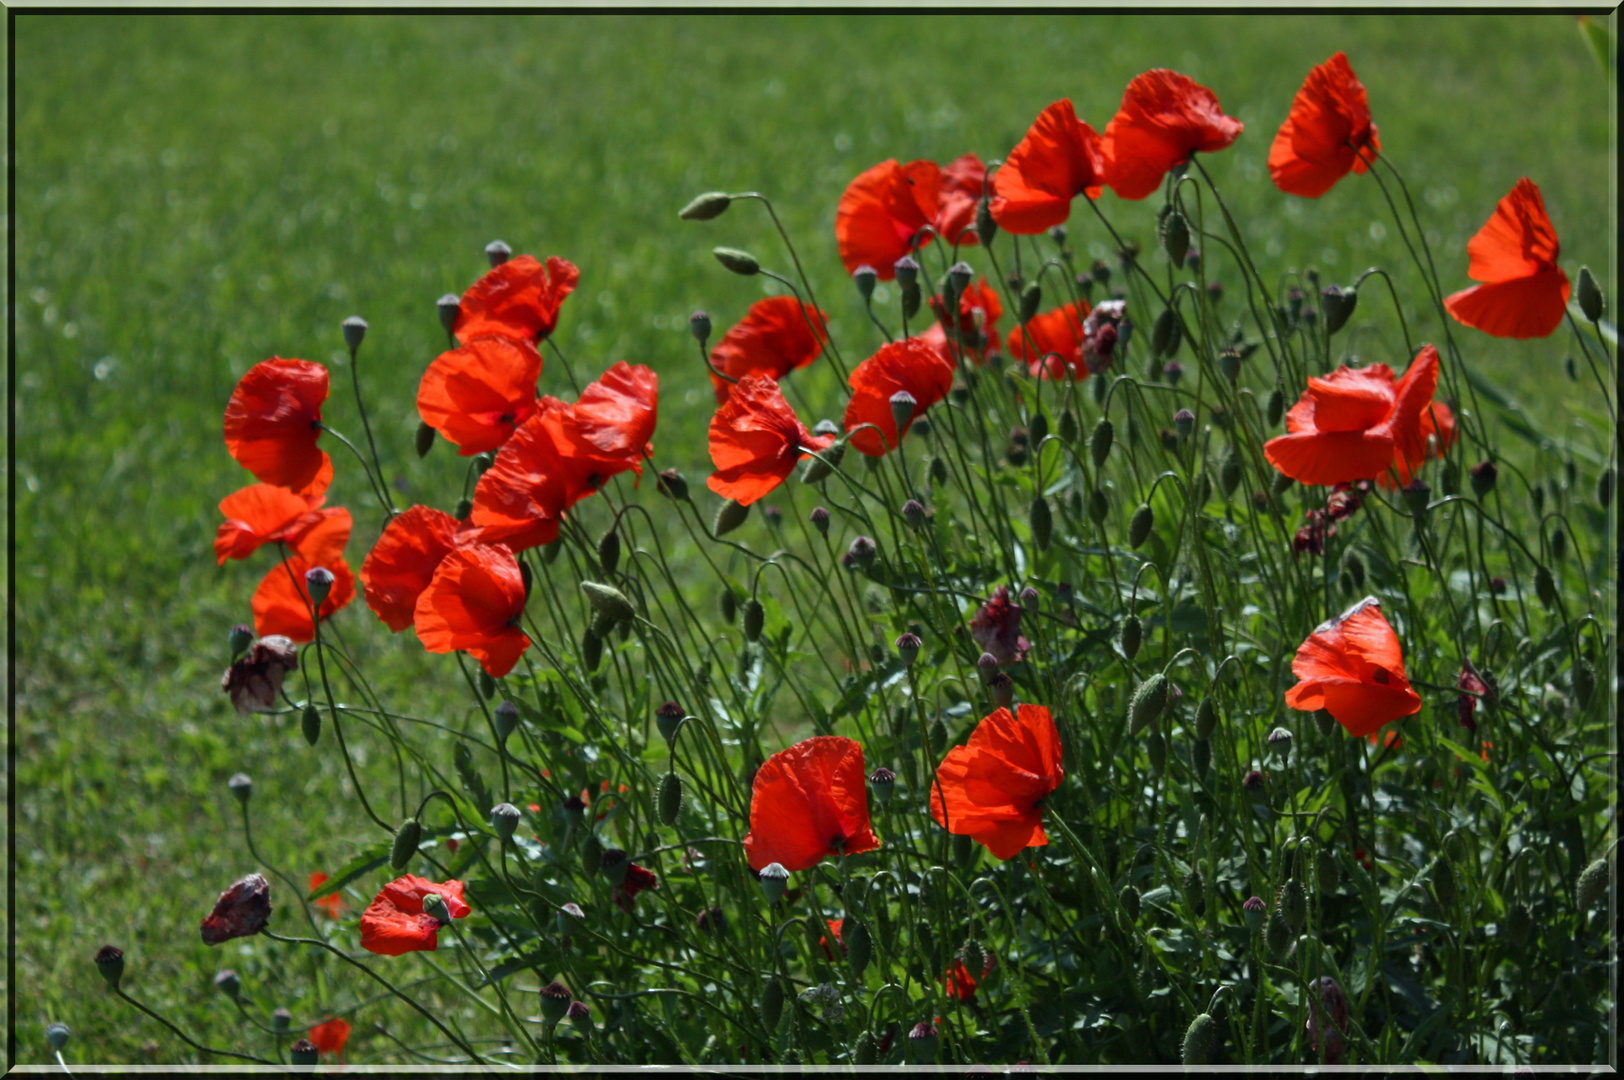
464	508
1518	926
555	1003
1199	1040
820	520
740	262
1148	702
110	963
303	1052
407	837
1206	718
1589	295
699	325
986	227
704	207
569	917
902	408
672	485
668	804
1099	444
1175	237
1339	304
355	330
729	516
772	1003
882	782
239	639
1254	911
505	819
1416	495
908	648
1129	897
498	252
907	271
1443	882
1483	476
921	428
922	1043
1592	885
773	879
1545	587
318	583
57	1035
435	907
864	278
1031	298
449	306
1173	372
1130	635
1140	524
505	718
241	786
1293	903
1041	518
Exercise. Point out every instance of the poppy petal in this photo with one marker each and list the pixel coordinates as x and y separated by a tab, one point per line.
473	603
1522	308
776	336
262	514
478	394
1059	158
808	802
273	420
756	441
281	603
1517	241
402	563
522	496
878	217
1327	133
911	365
520	298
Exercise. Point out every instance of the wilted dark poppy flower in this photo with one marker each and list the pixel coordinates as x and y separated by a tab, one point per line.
1060	158
912	366
809	802
395	924
518	299
1165	117
473	603
756	440
242	911
273	420
775	337
1352	667
1327	1018
1466	704
402	563
255	678
1353	424
264	514
1524	292
1343	502
882	211
1327	132
330	1037
1312	536
996	627
478	395
992	788
281	603
637	879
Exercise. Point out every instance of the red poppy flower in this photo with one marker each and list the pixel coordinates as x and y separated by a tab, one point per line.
1060	158
808	802
281	603
1059	331
607	430
1353	668
263	514
756	440
996	627
473	603
394	923
960	983
519	299
775	337
330	1037
1437	436
977	322
911	365
992	789
520	499
402	563
1327	132
835	926
1524	293
881	212
242	911
333	903
637	880
273	420
1165	117
476	396
1355	424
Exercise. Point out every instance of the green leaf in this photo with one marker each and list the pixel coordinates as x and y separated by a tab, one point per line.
367	861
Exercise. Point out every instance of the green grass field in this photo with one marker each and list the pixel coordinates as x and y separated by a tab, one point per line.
198	193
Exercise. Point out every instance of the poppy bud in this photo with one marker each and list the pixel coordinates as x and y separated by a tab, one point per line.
1206	718
907	271
699	325
1156	750
1042	522
908	648
922	1043
1129	896
608	602
614	865
863	1051
1253	911
110	963
1148	702
591	649
1229	474
1592	885
1129	636
1098	507
704	207
1229	365
238	641
228	984
1201	756
1175	237
1559	544
882	782
740	262
318	583
609	551
820	520
860	555
579	1014
1589	295
755	618
505	819
911	298
466	506
57	1035
1545	587
772	1004
303	1052
1199	1040
1003	691
1293	906
1031	297
1139	525
1537	494
555	1003
1279	740
959	275
729	516
669	804
864	277
1339	304
1164	334
407	837
1584	682
1325	722
1184	421
859	945
1519	925
1443	882
1276	934
1416	494
568	918
241	786
498	253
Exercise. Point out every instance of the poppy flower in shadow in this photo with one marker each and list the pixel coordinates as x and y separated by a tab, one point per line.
1165	117
1060	158
282	602
976	326
960	983
992	788
1353	668
518	299
776	336
330	1037
1524	292
1354	424
1437	436
273	420
882	211
1052	342
637	880
473	603
912	366
395	923
1327	133
836	928
756	440
242	911
996	627
477	395
402	563
809	802
263	514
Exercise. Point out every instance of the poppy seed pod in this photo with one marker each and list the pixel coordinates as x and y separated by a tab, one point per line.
986	226
729	516
1280	741
569	917
755	620
1592	885
959	276
1003	692
498	252
555	1003
1129	636
864	1050
1148	702
1589	295
740	262
1253	911
449	307
1031	298
699	325
907	271
1293	904
505	819
1176	237
228	984
668	718
1339	304
704	207
820	520
505	718
1584	682
908	648
1199	1040
57	1035
579	1014
466	506
303	1052
110	963
1031	600
922	1043
1140	524
407	837
318	583
669	804
241	787
1042	522
882	782
1416	495
355	331
1184	422
1164	333
902	408
614	865
772	1004
864	278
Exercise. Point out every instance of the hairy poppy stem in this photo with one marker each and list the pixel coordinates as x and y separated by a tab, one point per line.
181	1035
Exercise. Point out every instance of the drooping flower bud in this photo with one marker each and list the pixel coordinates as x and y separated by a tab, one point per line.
238	641
1129	898
1589	295
1041	518
1199	1040
579	1014
669	803
1592	885
1164	333
310	724
1148	702
755	620
772	1002
435	907
1416	494
110	963
729	516
555	1003
318	583
407	838
1293	903
705	207
466	506
241	786
498	252
1140	524
1031	298
1175	237
908	648
740	262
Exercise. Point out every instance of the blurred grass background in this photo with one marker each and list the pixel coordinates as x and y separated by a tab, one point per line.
196	193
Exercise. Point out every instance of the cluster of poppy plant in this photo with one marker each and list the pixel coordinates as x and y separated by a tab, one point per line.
461	580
